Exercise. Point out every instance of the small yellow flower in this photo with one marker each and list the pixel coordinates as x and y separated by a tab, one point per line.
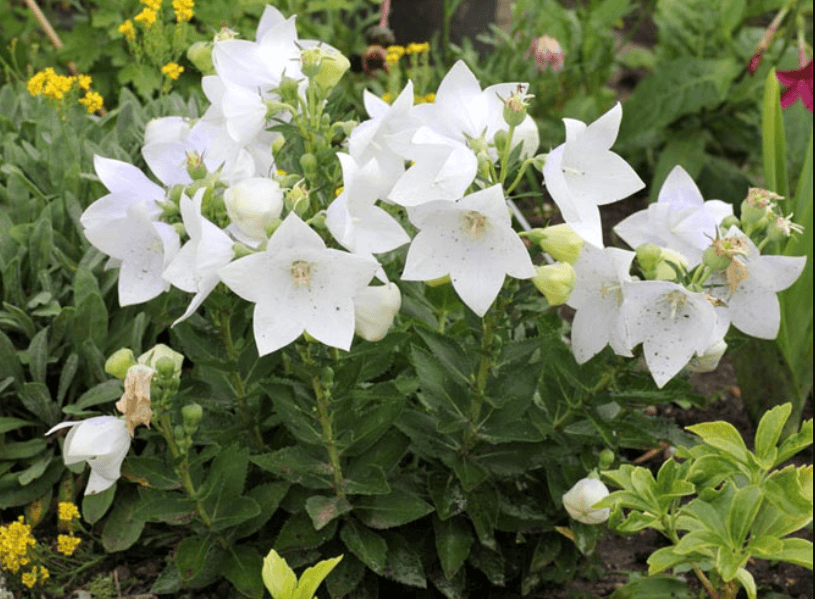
430	98
67	544
414	48
92	102
67	511
394	53
387	97
172	70
146	17
128	30
153	5
15	540
338	191
29	579
84	81
183	10
36	83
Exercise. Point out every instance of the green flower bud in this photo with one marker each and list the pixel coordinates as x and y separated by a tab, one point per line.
289	90
165	367
332	68
755	215
715	261
119	362
275	107
484	163
200	55
730	221
438	282
308	162
297	200
327	377
278	144
669	267
561	242
500	140
515	108
606	459
649	256
191	415
555	282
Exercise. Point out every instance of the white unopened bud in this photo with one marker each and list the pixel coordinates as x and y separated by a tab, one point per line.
253	205
375	309
579	500
709	360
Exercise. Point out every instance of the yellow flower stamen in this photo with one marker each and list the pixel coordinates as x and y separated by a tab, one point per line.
172	70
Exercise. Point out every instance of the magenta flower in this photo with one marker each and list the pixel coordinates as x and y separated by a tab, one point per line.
547	52
799	85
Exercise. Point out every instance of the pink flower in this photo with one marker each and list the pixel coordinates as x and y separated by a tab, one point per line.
799	85
755	61
547	51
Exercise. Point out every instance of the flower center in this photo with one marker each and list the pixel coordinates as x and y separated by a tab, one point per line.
474	224
606	289
677	300
301	273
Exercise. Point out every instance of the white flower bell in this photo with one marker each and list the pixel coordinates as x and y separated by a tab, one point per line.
103	442
253	205
375	309
579	499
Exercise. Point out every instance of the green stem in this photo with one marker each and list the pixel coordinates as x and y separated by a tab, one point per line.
327	425
481	379
505	154
165	427
237	381
519	176
705	581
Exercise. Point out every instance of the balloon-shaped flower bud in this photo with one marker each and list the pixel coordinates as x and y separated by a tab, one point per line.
191	415
605	459
781	228
721	252
254	205
670	266
225	33
649	256
559	241
200	55
375	309
757	207
555	282
308	162
119	362
579	500
289	90
709	360
332	67
547	52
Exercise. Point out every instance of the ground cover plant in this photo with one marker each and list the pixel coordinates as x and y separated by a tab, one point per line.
285	333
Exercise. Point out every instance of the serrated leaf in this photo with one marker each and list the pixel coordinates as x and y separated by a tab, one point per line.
297	465
323	510
242	567
454	539
388	511
370	548
404	563
345	577
151	472
298	533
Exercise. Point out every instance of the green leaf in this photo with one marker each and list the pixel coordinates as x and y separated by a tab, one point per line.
297	465
654	587
482	508
446	494
151	472
313	577
783	489
242	567
298	533
66	376
277	575
729	561
236	511
773	140
191	555
665	558
323	510
747	582
159	506
345	577
268	497
722	435
796	551
38	356
8	423
364	479
37	399
490	562
388	511
122	528
20	451
698	540
404	563
743	509
768	433
370	548
795	443
104	392
450	355
94	507
453	541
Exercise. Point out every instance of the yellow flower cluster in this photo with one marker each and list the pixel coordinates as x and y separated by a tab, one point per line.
146	17
172	70
426	99
414	48
183	10
128	30
153	5
67	511
15	542
51	85
37	573
67	544
394	53
48	83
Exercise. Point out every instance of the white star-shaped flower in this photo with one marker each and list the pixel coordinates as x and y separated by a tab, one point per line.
598	298
355	222
127	184
680	220
671	322
143	249
195	267
583	173
472	240
753	307
297	285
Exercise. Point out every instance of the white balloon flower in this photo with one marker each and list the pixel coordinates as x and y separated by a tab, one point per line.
579	500
103	442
